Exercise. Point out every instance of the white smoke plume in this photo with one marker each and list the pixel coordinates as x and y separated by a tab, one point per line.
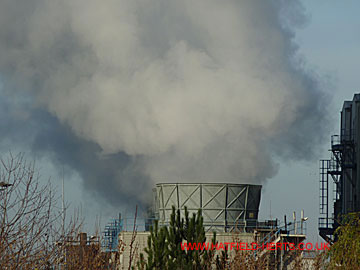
203	90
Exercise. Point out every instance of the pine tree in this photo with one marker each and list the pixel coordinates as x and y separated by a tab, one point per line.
157	250
164	245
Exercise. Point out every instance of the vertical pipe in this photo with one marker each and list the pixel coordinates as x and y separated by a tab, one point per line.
83	239
63	206
246	202
226	203
281	256
302	221
201	203
327	198
162	202
177	196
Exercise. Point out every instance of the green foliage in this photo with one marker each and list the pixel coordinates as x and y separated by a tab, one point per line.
157	249
345	252
164	244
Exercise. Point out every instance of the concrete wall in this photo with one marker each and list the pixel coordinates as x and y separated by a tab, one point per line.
141	243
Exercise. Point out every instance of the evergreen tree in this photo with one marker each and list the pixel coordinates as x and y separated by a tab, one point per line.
157	250
164	245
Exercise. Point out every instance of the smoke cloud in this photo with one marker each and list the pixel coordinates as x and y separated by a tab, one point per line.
140	91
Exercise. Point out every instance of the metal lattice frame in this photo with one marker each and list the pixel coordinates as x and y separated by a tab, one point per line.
223	206
343	169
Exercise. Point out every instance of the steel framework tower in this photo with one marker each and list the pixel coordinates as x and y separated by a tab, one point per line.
342	169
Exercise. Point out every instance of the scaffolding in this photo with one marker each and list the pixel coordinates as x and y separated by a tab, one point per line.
112	231
111	235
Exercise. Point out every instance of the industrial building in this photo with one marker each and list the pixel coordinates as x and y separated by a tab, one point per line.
231	210
339	175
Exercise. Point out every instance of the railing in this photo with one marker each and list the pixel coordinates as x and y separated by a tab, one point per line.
239	225
291	228
335	140
143	224
297	228
334	164
347	135
325	223
111	235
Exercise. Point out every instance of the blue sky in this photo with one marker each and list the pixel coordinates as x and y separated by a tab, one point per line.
330	43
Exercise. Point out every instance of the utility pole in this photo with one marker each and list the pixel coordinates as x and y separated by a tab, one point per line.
63	220
63	207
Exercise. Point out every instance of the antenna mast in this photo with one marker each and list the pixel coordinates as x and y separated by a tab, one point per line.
63	205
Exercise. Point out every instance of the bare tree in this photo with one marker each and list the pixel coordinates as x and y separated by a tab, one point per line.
133	249
29	217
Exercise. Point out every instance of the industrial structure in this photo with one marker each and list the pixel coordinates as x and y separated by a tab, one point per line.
339	175
227	208
224	207
110	239
80	252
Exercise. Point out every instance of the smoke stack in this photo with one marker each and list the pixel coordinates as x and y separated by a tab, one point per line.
83	239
